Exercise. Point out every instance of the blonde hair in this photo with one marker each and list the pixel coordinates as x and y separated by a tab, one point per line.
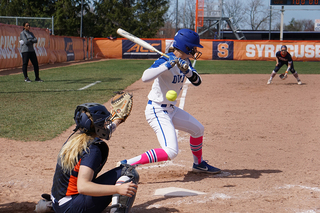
69	153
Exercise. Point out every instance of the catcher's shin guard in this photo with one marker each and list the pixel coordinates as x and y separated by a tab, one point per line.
121	203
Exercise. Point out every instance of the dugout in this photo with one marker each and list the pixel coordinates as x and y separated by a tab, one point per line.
275	35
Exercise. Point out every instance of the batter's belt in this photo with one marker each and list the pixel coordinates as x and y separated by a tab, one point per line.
161	105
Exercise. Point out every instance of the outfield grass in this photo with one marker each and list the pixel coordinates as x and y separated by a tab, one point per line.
252	67
41	111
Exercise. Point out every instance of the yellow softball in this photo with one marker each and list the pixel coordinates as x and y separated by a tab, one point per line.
171	95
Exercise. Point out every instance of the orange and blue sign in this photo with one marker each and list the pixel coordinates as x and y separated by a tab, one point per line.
133	50
222	50
69	48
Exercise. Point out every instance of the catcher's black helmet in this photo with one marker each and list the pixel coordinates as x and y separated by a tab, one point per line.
100	118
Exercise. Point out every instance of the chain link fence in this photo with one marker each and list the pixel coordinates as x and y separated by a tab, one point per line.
45	22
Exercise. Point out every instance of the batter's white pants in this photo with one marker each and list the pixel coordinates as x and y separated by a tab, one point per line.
164	121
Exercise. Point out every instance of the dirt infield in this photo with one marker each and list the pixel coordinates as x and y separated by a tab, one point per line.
265	138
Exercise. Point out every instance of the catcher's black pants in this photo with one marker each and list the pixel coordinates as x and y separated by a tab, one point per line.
277	68
33	58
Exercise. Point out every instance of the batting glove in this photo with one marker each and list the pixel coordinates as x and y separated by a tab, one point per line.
183	66
172	61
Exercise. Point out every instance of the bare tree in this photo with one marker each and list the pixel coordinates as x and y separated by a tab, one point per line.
258	15
235	10
300	25
188	15
307	25
184	19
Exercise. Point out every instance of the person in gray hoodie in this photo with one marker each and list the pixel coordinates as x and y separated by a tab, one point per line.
27	39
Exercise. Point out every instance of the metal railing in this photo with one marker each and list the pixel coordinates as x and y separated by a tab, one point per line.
29	18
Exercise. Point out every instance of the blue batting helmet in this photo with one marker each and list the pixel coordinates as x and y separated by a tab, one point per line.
96	124
185	40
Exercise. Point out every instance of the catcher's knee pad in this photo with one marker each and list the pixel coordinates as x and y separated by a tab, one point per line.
121	203
130	172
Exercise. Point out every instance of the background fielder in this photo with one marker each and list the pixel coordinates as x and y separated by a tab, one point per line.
283	57
162	115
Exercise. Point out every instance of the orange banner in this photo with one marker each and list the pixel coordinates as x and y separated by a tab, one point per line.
206	50
106	48
262	50
52	49
49	48
10	55
266	50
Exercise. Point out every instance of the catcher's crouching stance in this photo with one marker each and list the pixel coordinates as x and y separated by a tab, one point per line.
76	184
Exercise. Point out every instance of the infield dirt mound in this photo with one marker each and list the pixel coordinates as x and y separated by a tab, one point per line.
265	138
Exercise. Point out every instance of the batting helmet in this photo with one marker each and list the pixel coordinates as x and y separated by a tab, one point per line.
185	40
96	122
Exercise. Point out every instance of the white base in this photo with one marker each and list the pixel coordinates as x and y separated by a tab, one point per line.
177	192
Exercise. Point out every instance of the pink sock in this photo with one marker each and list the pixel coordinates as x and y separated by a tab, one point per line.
152	156
196	149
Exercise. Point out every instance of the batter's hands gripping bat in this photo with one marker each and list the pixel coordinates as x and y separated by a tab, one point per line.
142	43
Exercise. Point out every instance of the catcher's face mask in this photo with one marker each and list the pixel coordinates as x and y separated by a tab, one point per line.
100	118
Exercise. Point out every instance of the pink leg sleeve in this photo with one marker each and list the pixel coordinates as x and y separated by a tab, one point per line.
152	156
196	149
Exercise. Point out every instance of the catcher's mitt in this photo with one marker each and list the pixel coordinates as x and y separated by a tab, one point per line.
121	105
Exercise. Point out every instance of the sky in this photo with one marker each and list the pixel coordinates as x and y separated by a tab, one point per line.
296	12
300	12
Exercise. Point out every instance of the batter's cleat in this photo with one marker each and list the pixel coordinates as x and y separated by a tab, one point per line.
299	82
205	167
27	80
121	162
269	81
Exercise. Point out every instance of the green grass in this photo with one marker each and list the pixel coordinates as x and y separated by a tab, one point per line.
42	111
252	67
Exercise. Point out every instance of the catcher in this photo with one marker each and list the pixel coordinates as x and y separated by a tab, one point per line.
76	187
283	57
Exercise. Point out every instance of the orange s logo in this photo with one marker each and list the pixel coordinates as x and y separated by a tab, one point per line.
223	51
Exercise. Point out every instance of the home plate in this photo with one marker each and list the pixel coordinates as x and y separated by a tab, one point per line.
177	192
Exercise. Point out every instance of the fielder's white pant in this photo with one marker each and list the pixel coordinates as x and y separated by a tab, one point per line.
164	121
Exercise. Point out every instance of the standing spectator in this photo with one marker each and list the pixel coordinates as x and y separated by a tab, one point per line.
27	39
